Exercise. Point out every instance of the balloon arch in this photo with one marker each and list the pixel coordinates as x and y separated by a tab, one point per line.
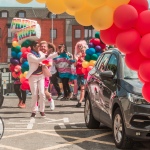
124	23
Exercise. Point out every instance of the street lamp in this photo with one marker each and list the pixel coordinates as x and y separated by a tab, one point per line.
52	27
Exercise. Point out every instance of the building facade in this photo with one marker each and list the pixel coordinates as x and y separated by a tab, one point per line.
58	29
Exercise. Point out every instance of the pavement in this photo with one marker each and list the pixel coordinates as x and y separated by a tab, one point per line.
62	129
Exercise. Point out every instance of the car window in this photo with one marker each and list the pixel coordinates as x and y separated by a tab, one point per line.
112	65
103	62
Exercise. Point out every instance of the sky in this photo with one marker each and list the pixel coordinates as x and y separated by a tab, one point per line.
14	3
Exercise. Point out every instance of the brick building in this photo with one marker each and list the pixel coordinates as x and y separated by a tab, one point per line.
61	28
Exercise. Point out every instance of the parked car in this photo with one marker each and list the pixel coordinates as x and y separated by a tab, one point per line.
114	97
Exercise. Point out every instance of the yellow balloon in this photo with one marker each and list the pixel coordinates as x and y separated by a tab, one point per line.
24	1
116	3
70	12
15	43
85	64
74	5
83	16
96	2
56	6
92	62
102	17
25	73
21	75
41	1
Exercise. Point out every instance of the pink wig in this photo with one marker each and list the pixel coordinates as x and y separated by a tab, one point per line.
81	45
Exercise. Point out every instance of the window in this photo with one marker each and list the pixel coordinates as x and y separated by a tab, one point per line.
4	14
103	62
53	34
112	65
21	14
0	32
77	34
9	33
51	15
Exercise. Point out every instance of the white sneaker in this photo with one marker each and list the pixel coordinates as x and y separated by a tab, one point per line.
52	105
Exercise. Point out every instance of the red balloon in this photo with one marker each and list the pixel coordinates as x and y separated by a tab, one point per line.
25	85
144	70
139	5
133	60
11	68
24	55
92	40
46	62
84	70
14	39
140	78
143	23
22	79
128	41
109	35
96	41
145	45
145	92
89	68
16	74
125	16
23	49
28	49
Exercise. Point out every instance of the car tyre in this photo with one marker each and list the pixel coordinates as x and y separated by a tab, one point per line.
90	121
120	138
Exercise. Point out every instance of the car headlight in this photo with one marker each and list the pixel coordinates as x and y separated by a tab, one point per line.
136	99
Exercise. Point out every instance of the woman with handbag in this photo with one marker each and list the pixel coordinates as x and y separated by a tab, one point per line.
36	77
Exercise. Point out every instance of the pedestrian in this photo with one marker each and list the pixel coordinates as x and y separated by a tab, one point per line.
80	49
63	64
36	77
20	93
44	47
54	79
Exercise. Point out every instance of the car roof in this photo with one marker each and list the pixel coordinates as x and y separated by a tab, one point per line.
114	50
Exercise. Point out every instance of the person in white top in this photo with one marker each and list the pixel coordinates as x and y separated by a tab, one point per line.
36	77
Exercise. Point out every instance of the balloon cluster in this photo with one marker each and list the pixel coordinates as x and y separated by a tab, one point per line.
98	13
130	32
96	47
18	63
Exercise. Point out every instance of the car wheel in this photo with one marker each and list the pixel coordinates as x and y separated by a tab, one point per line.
90	121
1	100
121	140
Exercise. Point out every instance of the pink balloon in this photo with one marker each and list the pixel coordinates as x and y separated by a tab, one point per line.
16	74
145	45
139	5
144	70
133	60
145	92
125	16
24	55
128	41
17	68
25	85
143	23
109	35
22	79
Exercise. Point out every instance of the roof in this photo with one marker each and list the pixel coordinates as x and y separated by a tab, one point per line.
32	12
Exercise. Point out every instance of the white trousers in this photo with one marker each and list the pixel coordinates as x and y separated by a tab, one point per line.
36	83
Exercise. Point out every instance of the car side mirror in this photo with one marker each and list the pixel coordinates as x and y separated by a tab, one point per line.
105	75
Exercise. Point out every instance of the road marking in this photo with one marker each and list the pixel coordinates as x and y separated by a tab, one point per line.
9	147
30	124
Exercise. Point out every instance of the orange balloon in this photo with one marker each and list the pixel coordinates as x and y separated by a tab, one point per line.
24	1
56	6
41	1
102	17
116	3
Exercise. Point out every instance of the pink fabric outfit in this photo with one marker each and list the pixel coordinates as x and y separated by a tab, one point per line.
47	79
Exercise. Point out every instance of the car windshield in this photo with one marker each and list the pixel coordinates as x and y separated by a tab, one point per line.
128	73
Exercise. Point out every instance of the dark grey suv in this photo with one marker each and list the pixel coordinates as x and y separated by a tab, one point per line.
113	97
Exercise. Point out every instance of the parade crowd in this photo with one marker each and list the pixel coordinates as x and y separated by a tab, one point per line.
62	66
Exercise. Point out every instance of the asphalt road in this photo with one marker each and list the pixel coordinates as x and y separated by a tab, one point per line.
62	129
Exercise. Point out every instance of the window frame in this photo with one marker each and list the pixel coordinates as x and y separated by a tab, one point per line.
53	33
4	11
21	11
77	37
